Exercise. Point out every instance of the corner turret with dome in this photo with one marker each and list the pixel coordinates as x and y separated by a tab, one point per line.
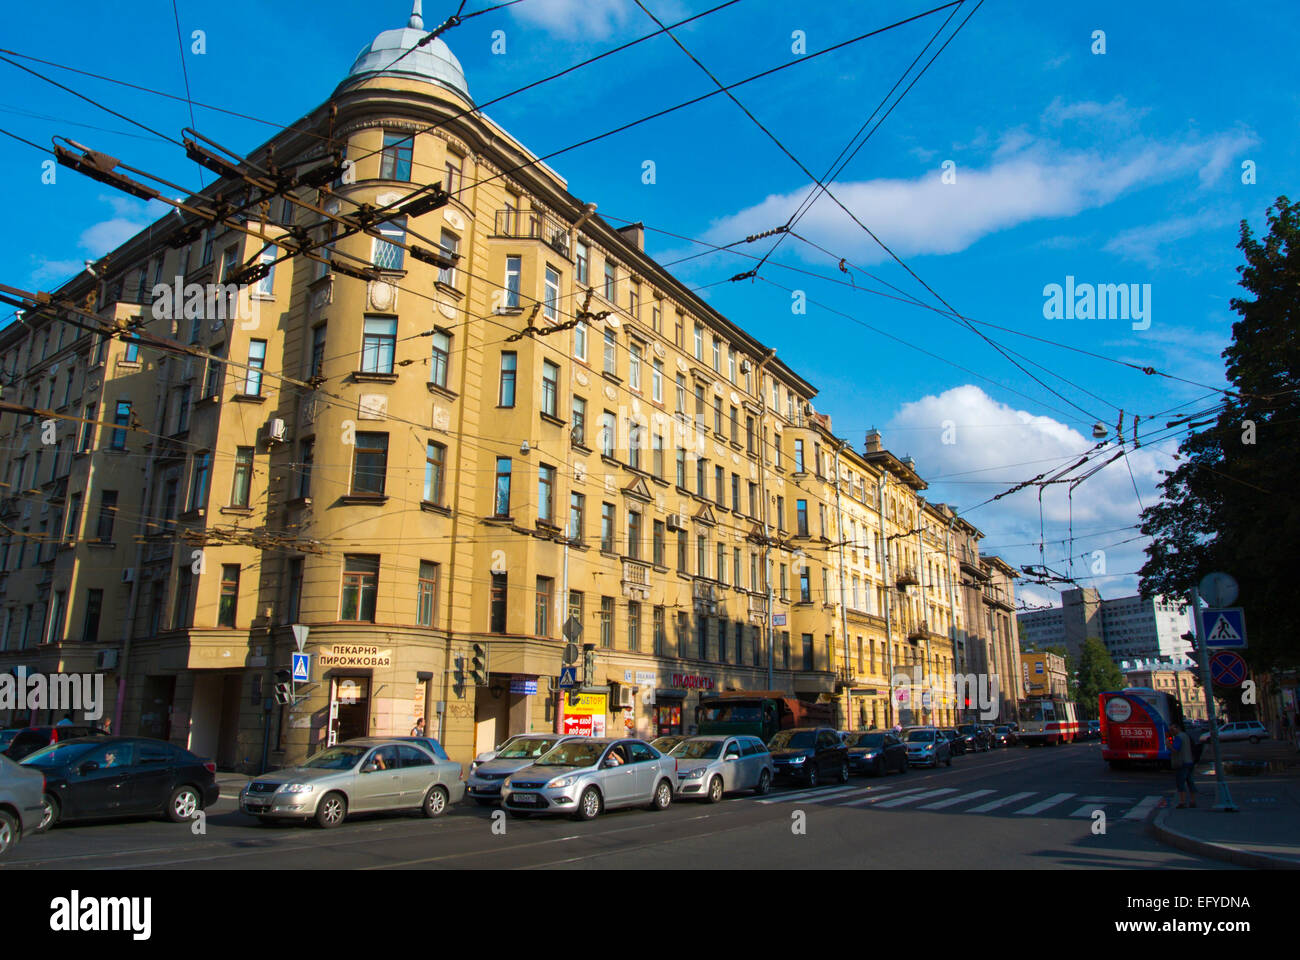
397	54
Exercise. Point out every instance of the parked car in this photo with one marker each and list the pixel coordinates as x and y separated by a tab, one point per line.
30	739
585	776
810	755
1004	736
487	755
709	766
366	775
1251	730
977	738
876	752
486	778
956	742
21	809
665	744
1093	730
102	777
7	737
927	747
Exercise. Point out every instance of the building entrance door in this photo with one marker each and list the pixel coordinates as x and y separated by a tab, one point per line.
349	708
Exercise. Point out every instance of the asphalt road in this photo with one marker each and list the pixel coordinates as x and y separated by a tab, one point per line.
1006	809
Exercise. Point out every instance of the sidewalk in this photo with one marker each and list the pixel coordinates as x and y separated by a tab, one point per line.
1265	832
231	783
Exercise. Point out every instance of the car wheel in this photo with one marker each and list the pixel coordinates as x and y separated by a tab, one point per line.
664	796
331	811
715	790
435	801
49	813
764	783
184	805
812	776
8	832
589	805
485	802
844	771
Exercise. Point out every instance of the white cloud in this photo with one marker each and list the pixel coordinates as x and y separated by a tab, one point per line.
130	216
1028	178
59	271
1143	243
1002	445
579	19
1116	113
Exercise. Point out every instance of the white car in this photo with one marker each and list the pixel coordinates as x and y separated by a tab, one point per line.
1251	730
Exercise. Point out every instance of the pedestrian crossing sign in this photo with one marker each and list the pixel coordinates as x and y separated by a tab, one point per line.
301	668
1225	627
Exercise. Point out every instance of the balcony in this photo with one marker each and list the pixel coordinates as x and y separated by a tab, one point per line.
906	576
636	580
706	595
757	610
918	631
533	225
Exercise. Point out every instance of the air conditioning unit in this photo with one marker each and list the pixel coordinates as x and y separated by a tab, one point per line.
106	660
128	575
676	521
276	431
626	697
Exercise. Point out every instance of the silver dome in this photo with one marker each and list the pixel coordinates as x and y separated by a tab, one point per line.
433	63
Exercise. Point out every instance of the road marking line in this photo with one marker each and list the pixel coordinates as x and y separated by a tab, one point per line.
899	801
952	801
1044	804
1142	809
1087	810
876	797
1108	799
814	793
1000	802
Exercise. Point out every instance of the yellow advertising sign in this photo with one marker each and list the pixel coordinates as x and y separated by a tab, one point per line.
588	704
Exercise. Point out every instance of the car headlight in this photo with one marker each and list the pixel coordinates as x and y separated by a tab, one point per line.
692	774
297	788
473	766
798	759
871	755
562	782
929	746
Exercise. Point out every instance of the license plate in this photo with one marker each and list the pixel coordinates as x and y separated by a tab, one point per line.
524	798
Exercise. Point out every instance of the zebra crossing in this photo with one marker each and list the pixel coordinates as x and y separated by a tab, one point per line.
1027	803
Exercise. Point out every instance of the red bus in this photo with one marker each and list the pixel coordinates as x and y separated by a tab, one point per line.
1135	725
1048	720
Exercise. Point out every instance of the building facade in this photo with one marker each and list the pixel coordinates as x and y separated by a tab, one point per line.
1183	685
445	443
1130	627
1044	675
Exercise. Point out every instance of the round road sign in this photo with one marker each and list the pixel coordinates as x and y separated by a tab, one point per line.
1227	669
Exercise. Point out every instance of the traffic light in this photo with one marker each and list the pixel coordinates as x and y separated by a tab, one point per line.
478	665
458	673
283	693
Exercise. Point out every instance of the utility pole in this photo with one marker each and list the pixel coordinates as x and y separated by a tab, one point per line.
844	614
889	593
767	535
1225	798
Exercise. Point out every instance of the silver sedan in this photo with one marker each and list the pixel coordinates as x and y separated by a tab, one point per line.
485	778
21	790
368	775
586	775
709	766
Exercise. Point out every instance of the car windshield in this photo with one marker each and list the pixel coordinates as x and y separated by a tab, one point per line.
6	736
970	729
698	750
920	736
866	740
56	754
1001	730
573	753
793	739
337	758
525	749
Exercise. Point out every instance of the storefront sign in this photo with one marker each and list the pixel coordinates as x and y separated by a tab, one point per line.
523	684
585	717
354	655
641	678
692	681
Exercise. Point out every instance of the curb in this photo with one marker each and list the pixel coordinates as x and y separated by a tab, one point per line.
1217	851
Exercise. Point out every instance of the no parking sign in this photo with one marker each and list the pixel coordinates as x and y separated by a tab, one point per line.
1227	669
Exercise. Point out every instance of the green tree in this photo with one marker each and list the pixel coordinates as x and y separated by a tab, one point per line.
1228	506
1097	674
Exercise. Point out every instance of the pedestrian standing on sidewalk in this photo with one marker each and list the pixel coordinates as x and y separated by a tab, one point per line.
418	729
1183	762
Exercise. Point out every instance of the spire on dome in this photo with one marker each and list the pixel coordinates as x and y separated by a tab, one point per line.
417	17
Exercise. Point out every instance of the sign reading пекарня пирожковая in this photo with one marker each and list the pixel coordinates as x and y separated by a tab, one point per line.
354	655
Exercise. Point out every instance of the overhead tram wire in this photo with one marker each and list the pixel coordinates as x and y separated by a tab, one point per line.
185	73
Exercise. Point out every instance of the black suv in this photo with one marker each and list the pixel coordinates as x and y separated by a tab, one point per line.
977	737
810	755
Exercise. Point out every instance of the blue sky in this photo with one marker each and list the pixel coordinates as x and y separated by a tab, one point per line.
1122	167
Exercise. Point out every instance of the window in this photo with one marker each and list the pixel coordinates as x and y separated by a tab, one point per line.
360	587
659	543
683	553
735	492
701	472
657	382
396	159
735	427
501	503
378	344
721	569
183	409
608	431
717	354
580	340
229	601
132	354
579	420
577	507
387	254
656	319
798	456
699	342
660	637
731	364
107	516
634	535
805	587
121	420
450	244
512	282
67	386
634	302
435	470
657	445
266	285
702	637
370	468
72	519
633	626
243	478
506	395
256	363
545	589
294	606
88	428
575	604
550	308
681	393
545	493
550	387
634	366
212	376
611	351
453	168
780	513
606	621
808	652
701	555
611	282
607	527
681	468
717	415
199	481
438	361
182	612
497	602
582	262
801	517
94	609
